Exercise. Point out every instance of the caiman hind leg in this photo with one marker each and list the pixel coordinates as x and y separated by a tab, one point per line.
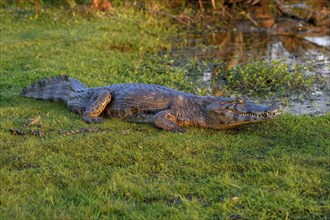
166	120
98	103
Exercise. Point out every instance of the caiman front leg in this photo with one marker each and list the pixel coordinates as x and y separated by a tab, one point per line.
96	107
166	120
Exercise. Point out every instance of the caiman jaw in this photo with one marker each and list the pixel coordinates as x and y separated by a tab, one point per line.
265	114
240	117
250	113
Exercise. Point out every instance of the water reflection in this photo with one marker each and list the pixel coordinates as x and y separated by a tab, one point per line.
296	37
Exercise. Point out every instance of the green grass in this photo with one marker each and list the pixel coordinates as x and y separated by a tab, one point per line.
264	80
277	169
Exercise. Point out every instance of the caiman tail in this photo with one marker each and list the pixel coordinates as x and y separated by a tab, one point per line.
53	89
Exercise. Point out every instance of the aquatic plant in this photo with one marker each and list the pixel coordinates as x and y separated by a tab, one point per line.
263	78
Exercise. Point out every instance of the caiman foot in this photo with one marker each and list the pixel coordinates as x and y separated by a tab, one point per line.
165	120
98	103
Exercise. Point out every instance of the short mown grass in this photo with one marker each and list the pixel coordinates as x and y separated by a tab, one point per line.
277	169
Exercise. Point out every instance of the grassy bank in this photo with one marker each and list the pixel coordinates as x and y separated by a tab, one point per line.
277	169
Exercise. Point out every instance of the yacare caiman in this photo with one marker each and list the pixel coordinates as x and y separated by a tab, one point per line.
166	108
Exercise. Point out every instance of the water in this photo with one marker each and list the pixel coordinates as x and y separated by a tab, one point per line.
293	39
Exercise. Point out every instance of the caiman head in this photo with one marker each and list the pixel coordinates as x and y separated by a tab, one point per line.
230	113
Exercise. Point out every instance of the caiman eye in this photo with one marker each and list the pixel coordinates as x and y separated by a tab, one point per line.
239	100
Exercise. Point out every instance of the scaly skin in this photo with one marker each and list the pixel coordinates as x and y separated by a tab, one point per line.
166	108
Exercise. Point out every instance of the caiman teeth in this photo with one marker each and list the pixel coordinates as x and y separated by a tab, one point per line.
265	114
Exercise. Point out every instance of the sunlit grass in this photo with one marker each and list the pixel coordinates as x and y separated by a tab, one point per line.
267	79
276	169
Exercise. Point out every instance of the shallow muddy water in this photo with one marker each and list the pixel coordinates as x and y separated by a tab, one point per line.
292	39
